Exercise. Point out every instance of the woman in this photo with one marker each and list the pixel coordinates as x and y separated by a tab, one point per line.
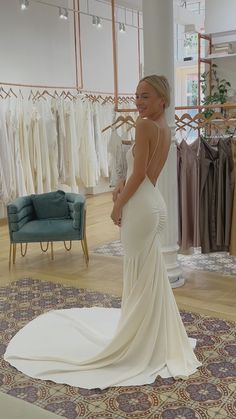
99	347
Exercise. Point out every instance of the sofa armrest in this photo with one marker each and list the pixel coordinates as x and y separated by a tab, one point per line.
77	207
18	204
19	212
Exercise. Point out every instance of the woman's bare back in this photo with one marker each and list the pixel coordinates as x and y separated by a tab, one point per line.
158	151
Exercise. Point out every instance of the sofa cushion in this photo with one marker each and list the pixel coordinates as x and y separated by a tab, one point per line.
47	230
50	205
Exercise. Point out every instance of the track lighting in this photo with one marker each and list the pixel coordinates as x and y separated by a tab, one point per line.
63	13
97	21
121	27
24	4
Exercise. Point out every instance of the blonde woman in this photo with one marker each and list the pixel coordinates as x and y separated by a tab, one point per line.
102	347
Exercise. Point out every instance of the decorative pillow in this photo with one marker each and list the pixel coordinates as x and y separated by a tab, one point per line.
50	205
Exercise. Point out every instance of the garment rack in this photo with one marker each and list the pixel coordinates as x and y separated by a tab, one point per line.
63	92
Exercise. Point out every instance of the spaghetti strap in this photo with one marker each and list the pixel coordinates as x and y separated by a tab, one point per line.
157	143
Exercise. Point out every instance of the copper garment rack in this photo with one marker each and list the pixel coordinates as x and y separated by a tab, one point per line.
100	97
217	120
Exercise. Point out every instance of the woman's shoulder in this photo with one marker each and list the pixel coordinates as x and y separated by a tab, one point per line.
145	124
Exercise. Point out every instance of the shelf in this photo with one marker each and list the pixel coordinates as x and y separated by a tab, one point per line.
216	57
222	37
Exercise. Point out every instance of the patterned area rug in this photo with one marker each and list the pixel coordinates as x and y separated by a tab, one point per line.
214	262
210	393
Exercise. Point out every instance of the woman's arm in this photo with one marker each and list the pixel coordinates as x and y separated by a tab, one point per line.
144	131
118	189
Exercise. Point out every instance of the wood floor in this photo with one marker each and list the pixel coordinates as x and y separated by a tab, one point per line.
203	292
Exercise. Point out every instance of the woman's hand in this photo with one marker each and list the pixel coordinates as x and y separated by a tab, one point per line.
116	215
118	189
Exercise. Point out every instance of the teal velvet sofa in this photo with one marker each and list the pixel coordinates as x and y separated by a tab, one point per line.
49	217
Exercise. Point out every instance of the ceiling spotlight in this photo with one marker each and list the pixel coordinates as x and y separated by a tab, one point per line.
24	4
99	22
121	27
63	13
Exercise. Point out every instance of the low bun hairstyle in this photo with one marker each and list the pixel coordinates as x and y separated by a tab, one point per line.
161	85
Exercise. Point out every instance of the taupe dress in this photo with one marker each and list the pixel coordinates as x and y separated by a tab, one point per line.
216	194
188	195
233	220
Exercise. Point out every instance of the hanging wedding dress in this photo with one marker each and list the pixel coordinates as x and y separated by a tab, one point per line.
102	347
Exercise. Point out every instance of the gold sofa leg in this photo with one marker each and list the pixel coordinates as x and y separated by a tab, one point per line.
41	246
85	250
23	252
10	255
14	253
70	246
84	242
52	254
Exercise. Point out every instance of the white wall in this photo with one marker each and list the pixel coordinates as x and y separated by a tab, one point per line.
128	64
38	48
96	43
227	70
220	15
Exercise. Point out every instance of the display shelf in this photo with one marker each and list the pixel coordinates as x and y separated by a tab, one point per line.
222	37
216	57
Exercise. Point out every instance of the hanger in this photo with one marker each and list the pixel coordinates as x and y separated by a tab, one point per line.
21	94
67	95
124	120
12	92
31	95
8	93
45	92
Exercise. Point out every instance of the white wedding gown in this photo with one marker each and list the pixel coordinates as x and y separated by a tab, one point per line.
102	347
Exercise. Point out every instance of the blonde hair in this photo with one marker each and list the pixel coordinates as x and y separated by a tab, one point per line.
161	85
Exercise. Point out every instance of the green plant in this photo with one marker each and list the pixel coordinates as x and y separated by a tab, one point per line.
219	89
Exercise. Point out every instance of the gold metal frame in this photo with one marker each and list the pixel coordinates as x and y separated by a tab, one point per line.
70	246
52	253
12	254
46	249
23	252
84	242
41	246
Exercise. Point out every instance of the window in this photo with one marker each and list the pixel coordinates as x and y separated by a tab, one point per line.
191	89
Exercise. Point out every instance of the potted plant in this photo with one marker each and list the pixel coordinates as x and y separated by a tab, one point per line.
219	90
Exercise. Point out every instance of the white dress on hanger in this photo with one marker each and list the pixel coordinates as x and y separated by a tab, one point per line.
102	347
100	143
24	147
7	158
61	141
4	192
117	151
51	133
88	163
44	147
35	150
72	158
